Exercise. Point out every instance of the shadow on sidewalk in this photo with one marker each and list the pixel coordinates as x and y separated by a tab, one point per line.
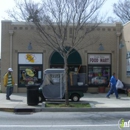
13	100
124	99
20	94
94	102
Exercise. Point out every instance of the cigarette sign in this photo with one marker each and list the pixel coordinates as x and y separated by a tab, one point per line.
30	58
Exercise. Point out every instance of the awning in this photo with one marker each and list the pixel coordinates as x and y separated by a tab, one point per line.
73	58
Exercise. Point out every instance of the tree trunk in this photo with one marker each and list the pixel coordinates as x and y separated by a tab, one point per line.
66	80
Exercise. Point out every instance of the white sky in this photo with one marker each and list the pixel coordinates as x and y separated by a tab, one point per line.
8	4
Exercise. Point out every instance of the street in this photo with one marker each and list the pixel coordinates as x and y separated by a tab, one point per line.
62	120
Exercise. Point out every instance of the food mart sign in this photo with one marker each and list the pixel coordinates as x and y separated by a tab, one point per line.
99	59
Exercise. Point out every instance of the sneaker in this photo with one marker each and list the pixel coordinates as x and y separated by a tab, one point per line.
8	98
107	97
117	97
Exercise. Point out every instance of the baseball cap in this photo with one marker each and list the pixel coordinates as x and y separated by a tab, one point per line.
10	69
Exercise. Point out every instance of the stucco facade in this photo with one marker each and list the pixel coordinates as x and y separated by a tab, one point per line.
124	54
16	36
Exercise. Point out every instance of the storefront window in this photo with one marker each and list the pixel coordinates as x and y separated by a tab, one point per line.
98	74
29	74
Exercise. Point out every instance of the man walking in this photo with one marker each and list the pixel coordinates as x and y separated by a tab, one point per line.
8	83
112	85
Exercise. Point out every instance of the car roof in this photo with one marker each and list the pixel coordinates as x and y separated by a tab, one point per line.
54	71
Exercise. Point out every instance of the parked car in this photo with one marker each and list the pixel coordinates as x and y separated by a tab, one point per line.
99	80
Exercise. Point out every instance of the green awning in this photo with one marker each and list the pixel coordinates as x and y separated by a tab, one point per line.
73	58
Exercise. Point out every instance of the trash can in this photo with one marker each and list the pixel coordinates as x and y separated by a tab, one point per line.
33	94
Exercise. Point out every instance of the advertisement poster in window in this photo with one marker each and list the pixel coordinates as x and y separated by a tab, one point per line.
30	75
128	64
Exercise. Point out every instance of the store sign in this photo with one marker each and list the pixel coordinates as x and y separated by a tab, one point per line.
128	64
99	59
29	58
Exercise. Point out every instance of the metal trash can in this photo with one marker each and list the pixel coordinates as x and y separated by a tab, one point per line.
33	94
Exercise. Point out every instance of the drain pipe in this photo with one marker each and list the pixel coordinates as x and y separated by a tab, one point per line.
11	47
117	71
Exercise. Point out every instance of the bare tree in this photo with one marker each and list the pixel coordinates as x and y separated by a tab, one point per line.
122	10
112	20
59	16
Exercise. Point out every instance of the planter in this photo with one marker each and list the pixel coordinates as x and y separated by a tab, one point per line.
101	89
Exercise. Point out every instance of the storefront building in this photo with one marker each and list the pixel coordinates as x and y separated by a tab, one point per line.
21	51
125	54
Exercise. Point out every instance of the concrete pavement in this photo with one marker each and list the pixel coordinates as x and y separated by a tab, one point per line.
98	102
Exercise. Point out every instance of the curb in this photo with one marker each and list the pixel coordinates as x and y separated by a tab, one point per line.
7	109
84	109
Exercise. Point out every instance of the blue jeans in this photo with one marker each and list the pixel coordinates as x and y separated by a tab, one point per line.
9	91
113	88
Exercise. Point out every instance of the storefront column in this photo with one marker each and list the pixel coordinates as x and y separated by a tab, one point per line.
11	46
117	71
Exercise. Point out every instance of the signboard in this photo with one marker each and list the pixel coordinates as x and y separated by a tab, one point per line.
55	78
99	59
29	58
128	64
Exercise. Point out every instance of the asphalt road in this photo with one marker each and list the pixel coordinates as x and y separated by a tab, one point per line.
62	120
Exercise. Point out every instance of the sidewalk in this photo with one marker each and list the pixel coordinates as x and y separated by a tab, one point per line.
98	102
